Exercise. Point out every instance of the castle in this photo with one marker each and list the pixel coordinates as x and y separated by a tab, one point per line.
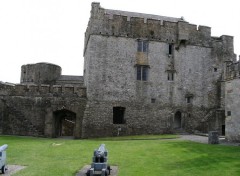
143	74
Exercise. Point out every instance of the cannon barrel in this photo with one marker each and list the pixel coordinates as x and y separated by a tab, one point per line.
3	147
99	162
101	151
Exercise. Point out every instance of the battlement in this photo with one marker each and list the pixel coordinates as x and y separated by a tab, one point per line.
118	23
232	70
41	90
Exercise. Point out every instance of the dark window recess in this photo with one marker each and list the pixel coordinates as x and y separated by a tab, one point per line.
142	46
189	99
170	76
215	69
170	49
229	113
153	100
142	72
118	115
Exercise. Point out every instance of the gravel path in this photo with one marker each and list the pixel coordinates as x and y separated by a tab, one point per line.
195	138
204	139
13	169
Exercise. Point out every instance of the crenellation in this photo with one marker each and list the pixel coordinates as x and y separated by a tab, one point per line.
45	89
205	30
143	74
69	90
173	58
41	90
136	25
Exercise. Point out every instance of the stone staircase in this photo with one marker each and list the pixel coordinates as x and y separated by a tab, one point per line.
18	124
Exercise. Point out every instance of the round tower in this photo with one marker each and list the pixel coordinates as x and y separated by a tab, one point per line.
40	73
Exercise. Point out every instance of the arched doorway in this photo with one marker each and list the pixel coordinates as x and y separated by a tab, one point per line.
65	121
177	120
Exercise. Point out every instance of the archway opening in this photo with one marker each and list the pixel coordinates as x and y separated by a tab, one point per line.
177	120
65	121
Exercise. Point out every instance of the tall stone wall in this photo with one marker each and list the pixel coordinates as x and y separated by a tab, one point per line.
152	27
232	101
29	109
110	67
140	118
110	73
110	76
183	87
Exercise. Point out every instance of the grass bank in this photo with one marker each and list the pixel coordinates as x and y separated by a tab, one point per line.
148	156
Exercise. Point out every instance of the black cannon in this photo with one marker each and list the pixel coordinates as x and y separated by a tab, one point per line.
99	165
3	158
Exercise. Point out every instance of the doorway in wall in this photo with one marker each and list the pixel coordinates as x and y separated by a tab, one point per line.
177	120
65	121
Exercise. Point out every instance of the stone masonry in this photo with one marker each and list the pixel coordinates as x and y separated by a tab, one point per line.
143	74
181	87
232	100
47	110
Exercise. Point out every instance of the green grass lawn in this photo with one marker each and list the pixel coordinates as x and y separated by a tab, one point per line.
61	157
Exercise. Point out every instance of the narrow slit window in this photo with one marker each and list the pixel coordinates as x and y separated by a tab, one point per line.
189	99
229	113
170	49
170	76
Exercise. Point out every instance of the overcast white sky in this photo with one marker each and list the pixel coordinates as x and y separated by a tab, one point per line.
52	31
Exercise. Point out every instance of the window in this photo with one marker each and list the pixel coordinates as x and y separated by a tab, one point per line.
229	113
153	100
142	46
142	72
170	76
170	49
189	99
118	115
215	69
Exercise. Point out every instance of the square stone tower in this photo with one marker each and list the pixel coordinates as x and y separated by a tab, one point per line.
150	74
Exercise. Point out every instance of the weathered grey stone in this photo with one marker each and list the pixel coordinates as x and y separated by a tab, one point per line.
111	58
184	89
213	137
232	102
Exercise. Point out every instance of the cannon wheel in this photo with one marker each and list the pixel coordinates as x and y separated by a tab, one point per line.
106	173
88	173
109	169
4	169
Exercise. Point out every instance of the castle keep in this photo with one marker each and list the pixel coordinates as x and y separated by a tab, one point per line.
143	74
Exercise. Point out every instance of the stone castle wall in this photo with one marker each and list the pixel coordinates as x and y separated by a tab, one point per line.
29	109
184	88
143	119
40	73
232	112
111	58
232	101
164	29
